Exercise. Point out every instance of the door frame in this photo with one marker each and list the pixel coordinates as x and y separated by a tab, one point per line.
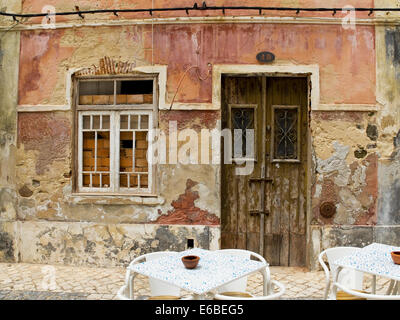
311	72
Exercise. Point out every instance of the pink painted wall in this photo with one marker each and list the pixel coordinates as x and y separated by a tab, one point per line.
346	58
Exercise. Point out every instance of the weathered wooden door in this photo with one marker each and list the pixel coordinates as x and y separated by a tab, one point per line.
265	211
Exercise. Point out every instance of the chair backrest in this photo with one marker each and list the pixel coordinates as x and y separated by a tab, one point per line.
158	287
239	285
348	277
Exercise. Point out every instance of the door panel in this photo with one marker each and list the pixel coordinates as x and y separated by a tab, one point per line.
280	122
239	229
288	209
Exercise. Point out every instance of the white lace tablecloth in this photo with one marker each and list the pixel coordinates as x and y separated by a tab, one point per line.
214	270
374	259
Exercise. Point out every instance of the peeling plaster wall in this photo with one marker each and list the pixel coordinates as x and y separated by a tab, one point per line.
106	244
388	93
374	141
187	194
9	48
345	168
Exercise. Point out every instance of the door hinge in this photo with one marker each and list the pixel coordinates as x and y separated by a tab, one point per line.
267	179
254	213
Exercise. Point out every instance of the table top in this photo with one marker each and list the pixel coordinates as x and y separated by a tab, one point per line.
374	259
214	269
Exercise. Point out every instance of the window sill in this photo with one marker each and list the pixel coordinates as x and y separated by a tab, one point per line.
115	199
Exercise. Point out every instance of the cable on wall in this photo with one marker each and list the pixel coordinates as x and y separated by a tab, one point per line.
196	7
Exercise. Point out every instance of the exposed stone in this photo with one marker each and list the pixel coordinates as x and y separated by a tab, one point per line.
6	247
360	152
396	140
25	191
372	132
347	236
35	183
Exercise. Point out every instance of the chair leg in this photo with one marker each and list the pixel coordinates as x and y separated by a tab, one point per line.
389	290
266	282
396	288
131	279
335	276
327	287
373	284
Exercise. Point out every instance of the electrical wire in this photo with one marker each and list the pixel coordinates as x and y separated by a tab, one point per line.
196	7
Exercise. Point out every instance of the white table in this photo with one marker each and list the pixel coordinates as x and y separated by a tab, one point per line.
214	270
376	260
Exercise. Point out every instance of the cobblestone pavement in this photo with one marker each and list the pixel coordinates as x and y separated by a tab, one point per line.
23	281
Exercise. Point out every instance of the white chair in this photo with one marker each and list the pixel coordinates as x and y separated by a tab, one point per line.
348	277
364	295
160	290
248	296
239	286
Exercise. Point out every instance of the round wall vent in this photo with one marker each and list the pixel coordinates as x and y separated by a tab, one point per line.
327	209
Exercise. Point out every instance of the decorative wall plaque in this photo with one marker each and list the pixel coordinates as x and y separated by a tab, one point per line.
265	57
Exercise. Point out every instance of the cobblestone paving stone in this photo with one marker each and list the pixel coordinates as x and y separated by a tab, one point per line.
23	281
40	295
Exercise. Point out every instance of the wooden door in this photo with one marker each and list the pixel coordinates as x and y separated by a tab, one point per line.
265	211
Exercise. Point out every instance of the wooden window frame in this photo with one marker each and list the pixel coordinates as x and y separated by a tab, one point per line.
114	110
275	107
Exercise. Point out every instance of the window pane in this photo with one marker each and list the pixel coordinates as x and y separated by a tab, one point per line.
144	181
88	151
285	140
134	92
133	181
124	122
96	92
106	122
242	119
103	151
141	145
126	152
123	180
86	180
144	122
95	180
86	122
96	122
105	180
134	121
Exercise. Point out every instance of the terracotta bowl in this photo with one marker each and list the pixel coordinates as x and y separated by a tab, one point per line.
190	262
396	257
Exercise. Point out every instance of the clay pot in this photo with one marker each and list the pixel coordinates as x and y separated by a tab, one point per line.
190	262
396	257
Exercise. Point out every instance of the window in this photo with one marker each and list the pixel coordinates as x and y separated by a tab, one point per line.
242	119
285	133
115	122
